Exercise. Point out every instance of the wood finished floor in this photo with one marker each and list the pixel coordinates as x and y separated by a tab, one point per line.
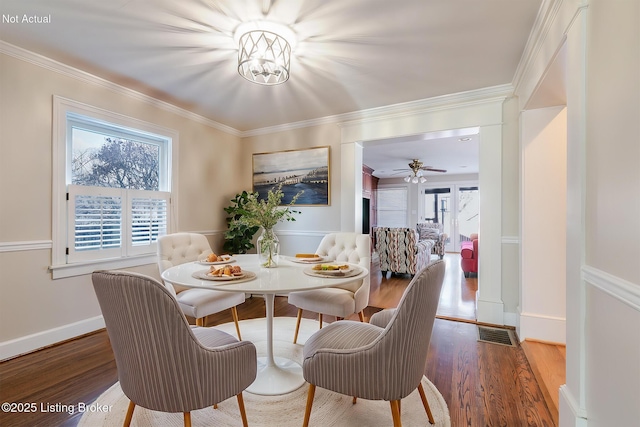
483	384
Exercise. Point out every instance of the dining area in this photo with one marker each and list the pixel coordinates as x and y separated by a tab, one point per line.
193	367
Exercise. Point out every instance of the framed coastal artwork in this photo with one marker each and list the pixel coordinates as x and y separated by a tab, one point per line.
296	170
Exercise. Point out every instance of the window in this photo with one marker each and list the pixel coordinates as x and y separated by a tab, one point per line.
392	207
114	175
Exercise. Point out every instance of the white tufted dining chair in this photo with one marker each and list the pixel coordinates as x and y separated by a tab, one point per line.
344	300
179	248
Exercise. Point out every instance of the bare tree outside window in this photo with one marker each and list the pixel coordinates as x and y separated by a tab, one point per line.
117	163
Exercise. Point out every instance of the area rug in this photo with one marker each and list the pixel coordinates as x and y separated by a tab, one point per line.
329	408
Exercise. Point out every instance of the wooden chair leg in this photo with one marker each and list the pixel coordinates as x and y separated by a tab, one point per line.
425	403
243	414
395	413
129	416
200	321
320	319
361	315
295	336
187	419
215	406
234	313
354	400
307	412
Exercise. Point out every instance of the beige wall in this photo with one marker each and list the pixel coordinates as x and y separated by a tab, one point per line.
304	234
211	172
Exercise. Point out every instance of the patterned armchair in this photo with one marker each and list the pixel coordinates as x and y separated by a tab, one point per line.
434	232
400	251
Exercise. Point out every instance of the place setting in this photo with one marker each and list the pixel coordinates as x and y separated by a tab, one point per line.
307	258
333	270
225	273
214	259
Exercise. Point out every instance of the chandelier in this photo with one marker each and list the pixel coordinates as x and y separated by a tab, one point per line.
264	52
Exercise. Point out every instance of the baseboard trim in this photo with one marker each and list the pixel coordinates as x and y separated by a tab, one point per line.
571	414
544	328
491	312
27	344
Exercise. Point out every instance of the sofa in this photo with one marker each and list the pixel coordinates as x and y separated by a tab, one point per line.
400	251
469	256
433	231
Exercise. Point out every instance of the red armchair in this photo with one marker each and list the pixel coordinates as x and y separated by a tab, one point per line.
469	256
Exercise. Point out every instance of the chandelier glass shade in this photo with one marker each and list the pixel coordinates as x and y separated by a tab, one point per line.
264	56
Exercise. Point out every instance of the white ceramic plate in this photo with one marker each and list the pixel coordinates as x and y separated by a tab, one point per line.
227	260
347	272
315	260
202	274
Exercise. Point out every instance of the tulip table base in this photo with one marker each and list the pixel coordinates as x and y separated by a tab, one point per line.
276	375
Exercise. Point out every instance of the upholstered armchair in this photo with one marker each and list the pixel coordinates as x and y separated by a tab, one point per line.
435	232
179	248
163	363
340	301
400	251
381	360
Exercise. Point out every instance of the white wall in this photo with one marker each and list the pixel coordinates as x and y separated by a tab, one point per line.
543	203
600	39
612	213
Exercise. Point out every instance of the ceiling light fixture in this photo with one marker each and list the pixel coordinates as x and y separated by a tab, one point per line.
264	51
415	177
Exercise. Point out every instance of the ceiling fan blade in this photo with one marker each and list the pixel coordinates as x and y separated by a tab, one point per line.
433	169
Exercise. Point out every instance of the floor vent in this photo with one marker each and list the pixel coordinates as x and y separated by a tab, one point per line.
496	336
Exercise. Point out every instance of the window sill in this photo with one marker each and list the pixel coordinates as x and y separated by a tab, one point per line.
80	269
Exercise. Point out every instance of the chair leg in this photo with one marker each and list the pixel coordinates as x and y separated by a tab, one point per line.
395	413
307	412
215	406
234	313
200	321
243	413
295	336
129	416
425	403
187	419
355	399
361	315
320	319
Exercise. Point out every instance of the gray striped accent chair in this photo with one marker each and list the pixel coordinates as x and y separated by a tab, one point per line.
163	363
381	360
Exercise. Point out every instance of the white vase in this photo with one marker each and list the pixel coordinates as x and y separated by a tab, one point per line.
268	247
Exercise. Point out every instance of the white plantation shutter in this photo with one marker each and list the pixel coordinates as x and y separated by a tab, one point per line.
114	222
148	219
95	223
392	207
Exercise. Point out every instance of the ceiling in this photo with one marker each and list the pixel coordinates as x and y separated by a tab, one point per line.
350	56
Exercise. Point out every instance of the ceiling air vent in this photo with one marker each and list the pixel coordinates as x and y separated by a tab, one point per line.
496	336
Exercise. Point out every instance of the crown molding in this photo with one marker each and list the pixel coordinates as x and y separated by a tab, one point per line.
58	67
454	100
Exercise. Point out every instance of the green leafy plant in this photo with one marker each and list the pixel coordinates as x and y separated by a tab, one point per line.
267	213
239	236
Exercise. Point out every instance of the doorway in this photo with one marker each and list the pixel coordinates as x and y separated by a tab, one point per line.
456	207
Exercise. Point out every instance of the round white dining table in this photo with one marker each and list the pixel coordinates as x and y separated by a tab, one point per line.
276	375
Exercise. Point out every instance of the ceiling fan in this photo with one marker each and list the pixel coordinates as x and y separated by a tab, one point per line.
416	167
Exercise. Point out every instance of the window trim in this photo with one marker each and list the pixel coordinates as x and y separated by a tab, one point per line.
61	107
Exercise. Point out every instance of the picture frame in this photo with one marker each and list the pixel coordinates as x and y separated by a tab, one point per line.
306	169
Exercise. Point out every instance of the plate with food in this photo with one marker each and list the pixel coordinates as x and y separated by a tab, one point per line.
213	259
332	270
307	258
224	273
